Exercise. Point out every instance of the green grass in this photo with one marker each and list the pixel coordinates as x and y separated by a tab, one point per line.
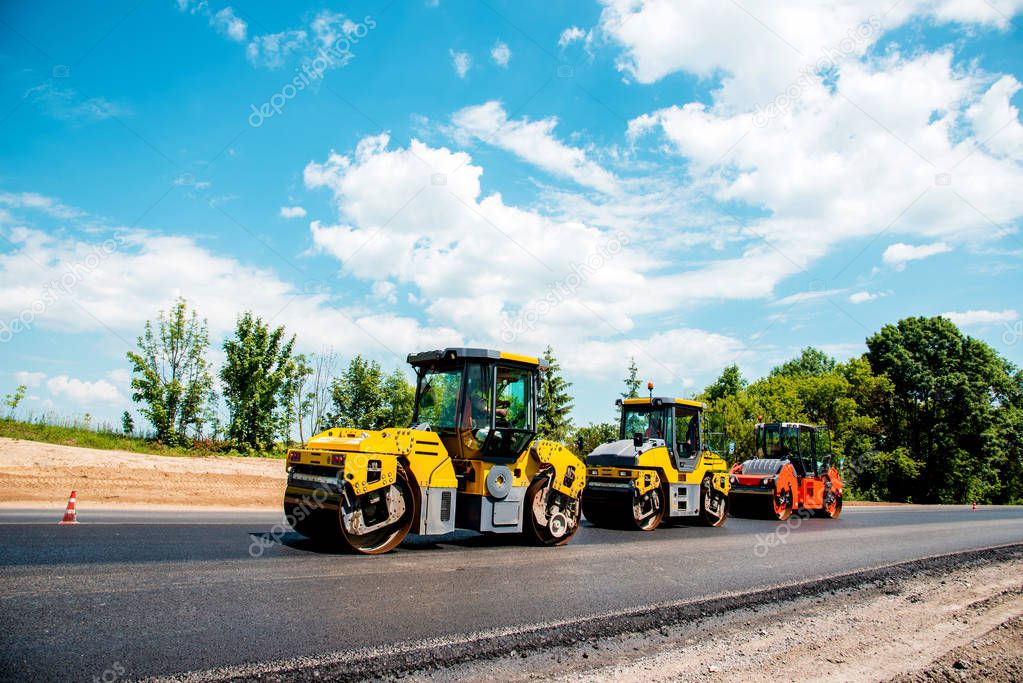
76	433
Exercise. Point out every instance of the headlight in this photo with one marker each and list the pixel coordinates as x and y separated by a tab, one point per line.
593	473
767	481
622	473
733	479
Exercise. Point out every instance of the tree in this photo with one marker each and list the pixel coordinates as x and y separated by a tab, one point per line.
299	402
319	396
257	381
555	406
399	397
170	373
951	393
730	383
127	423
811	363
632	382
13	400
356	395
592	435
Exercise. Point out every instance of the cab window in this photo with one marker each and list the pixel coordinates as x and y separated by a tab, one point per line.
438	397
513	409
476	412
823	450
644	420
687	432
769	442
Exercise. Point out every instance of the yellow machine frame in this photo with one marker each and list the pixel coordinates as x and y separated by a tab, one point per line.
628	472
450	487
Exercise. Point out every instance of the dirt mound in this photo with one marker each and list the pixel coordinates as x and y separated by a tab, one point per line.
43	474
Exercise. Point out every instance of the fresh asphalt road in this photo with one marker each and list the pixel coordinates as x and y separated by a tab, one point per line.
163	592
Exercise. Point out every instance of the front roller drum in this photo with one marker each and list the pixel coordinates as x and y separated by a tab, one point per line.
626	510
376	522
777	505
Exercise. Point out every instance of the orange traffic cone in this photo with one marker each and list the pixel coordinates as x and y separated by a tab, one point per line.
974	506
71	514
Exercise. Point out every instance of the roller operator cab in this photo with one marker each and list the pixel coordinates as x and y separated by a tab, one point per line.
660	468
470	460
791	472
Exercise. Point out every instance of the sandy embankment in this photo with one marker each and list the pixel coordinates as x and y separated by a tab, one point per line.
42	474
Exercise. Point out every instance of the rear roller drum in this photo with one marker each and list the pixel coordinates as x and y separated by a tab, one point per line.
832	506
319	525
648	510
551	518
713	505
376	522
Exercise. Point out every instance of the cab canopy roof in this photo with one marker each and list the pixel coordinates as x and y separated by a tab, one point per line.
660	401
456	353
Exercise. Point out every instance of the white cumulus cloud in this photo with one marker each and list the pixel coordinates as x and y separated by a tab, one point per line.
982	317
461	61
230	24
899	254
862	297
293	212
533	141
500	53
84	392
29	379
571	35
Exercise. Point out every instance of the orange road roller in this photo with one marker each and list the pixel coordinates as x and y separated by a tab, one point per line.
791	472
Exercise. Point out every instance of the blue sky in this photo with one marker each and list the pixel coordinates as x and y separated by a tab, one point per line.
689	184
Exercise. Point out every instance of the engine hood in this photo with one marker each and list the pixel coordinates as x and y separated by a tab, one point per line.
622	453
765	466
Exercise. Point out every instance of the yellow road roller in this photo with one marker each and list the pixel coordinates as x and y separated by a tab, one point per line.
469	460
659	468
